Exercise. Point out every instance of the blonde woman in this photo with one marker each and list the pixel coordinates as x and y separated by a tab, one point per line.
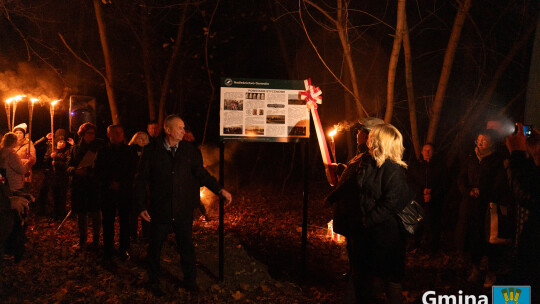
376	239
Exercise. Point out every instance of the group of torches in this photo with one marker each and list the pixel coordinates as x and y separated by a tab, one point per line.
31	101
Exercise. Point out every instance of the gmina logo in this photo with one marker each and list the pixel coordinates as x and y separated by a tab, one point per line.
511	294
431	297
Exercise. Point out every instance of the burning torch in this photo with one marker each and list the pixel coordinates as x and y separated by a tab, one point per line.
53	103
8	111
333	143
15	100
30	114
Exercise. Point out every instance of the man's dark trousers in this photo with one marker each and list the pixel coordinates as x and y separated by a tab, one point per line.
182	228
111	201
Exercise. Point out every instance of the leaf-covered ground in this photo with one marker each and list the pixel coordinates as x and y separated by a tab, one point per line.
262	261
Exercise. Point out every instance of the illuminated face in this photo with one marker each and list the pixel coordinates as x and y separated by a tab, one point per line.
89	135
60	145
427	152
20	135
116	135
175	130
153	130
483	142
141	140
361	137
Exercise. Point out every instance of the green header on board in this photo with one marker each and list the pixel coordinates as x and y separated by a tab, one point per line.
262	83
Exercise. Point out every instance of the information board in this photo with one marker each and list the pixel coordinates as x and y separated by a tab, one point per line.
263	110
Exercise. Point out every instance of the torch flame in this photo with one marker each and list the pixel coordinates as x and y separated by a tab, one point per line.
15	99
333	132
54	102
34	100
201	192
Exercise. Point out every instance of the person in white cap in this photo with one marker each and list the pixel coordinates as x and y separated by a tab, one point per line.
25	149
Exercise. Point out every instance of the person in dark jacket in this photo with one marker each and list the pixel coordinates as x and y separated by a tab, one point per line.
483	183
48	170
60	178
525	178
115	167
426	176
84	184
173	171
137	144
368	216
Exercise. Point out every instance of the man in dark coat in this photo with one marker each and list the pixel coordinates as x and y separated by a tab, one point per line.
115	167
173	170
427	177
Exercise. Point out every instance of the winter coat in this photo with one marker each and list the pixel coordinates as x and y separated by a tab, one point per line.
116	163
431	175
173	183
368	198
525	181
490	177
83	187
27	151
15	168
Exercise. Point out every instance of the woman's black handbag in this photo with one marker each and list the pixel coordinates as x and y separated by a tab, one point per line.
411	216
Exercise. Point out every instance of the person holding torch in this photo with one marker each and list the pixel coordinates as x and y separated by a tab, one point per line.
26	151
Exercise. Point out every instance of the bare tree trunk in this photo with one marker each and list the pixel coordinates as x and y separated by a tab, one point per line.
463	10
341	24
410	88
172	63
108	64
145	41
394	57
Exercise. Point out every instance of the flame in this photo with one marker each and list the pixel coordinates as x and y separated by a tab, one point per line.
201	192
15	99
333	132
338	238
54	102
34	100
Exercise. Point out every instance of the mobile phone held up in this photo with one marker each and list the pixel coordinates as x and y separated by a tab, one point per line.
527	130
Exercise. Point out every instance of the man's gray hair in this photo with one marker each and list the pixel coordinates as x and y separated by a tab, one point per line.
170	118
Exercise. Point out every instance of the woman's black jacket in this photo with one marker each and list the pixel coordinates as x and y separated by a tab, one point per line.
368	199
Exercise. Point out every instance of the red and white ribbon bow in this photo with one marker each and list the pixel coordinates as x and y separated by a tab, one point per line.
312	94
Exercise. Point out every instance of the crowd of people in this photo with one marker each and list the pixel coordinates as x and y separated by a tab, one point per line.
497	215
156	177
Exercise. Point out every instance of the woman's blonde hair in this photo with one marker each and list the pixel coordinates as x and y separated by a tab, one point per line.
137	135
386	142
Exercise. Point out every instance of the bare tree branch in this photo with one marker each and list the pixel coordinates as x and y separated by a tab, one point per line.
80	59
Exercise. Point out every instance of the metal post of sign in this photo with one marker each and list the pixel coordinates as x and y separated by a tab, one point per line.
221	209
305	207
